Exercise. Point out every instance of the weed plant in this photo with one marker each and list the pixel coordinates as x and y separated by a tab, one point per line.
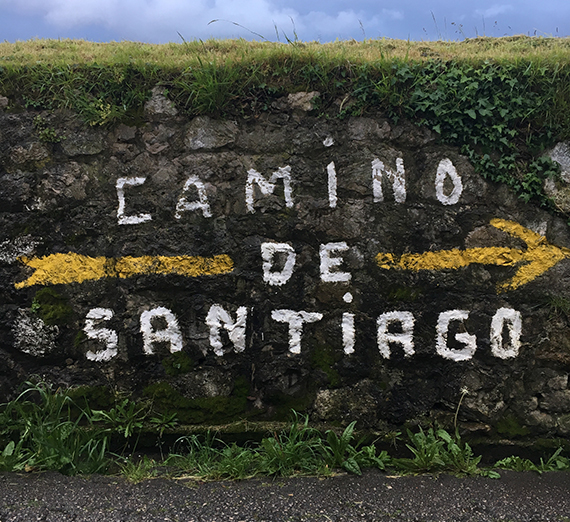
44	429
556	462
296	450
436	451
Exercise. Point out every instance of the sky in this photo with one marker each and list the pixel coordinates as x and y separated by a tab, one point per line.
162	21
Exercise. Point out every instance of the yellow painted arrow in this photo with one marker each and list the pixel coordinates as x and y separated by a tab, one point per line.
538	257
58	269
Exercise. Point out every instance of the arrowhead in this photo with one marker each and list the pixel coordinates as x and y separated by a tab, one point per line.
539	257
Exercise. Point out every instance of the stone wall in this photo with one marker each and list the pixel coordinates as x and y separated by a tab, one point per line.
354	269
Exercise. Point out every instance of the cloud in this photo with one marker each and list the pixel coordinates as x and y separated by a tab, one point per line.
494	10
162	20
393	14
344	24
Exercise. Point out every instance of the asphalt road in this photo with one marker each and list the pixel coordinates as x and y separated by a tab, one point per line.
374	496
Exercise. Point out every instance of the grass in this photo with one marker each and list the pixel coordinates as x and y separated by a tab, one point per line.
43	429
196	53
45	432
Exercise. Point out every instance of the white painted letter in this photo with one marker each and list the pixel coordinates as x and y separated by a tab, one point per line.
171	334
217	319
295	320
104	335
268	251
470	341
328	262
202	203
332	184
514	325
405	338
348	332
129	220
398	180
445	169
267	187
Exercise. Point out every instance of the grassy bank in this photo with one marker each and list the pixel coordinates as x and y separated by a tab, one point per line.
511	49
502	101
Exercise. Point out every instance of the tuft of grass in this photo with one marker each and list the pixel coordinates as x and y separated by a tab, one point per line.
342	453
558	305
195	456
296	451
46	431
136	471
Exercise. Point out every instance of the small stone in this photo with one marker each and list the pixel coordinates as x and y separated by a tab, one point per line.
125	133
3	102
34	153
125	151
564	425
347	404
561	155
33	336
558	401
559	382
159	106
559	190
538	418
156	148
83	144
11	250
559	193
361	129
205	133
303	100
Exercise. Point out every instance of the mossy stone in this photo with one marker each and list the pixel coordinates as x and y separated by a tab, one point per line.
177	364
80	338
511	427
92	397
53	308
213	410
324	357
284	404
404	294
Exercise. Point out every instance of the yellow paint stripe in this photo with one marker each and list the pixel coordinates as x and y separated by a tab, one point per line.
453	259
531	238
189	266
58	269
537	258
